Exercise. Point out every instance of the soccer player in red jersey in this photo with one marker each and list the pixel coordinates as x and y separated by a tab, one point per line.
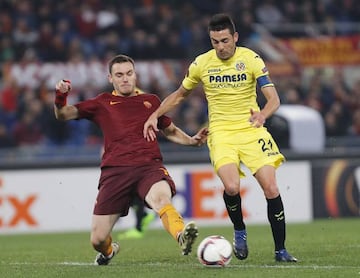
130	165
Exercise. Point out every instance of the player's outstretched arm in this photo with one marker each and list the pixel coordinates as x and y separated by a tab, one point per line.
171	101
176	135
63	111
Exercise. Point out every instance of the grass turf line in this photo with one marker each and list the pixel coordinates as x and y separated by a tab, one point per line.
325	248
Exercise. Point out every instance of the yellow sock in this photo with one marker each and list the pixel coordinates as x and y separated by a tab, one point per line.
172	220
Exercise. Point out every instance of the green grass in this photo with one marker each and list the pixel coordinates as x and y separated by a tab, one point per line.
325	248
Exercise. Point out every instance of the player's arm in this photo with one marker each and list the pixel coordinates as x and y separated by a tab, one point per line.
258	118
176	135
171	101
272	101
63	111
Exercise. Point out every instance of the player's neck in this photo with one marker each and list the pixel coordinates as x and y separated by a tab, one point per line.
119	94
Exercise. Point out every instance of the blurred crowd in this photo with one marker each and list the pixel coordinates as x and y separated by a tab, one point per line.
83	30
153	29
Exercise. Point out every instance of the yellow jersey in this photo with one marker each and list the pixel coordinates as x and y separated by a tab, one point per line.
229	86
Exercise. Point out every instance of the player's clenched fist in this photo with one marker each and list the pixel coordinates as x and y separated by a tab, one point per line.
63	86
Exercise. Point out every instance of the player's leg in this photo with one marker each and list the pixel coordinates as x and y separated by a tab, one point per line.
224	155
143	219
143	216
113	200
262	156
275	210
140	212
159	199
229	175
101	237
147	219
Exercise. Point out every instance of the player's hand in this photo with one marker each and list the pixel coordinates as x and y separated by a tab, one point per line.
200	137
150	128
63	86
257	119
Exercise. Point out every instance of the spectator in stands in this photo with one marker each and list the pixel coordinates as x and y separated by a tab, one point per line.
354	129
268	13
23	35
9	96
27	131
44	44
7	51
354	96
336	120
6	140
57	133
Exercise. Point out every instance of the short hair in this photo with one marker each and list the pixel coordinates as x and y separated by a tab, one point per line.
220	22
118	59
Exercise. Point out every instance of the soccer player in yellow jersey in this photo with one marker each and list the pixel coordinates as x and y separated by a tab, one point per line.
229	76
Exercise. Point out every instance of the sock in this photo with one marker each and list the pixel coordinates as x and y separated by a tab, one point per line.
105	247
171	220
276	218
233	206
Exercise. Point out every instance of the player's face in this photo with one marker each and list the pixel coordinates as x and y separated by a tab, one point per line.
123	78
224	43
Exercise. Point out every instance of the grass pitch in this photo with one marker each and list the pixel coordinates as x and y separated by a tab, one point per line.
325	248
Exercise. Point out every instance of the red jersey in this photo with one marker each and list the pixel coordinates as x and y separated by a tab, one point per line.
121	120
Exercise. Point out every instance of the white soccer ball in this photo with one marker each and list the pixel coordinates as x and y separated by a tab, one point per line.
214	251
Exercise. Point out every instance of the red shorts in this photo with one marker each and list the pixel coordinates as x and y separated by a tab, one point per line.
119	185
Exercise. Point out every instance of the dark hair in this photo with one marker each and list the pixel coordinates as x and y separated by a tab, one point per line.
120	59
220	22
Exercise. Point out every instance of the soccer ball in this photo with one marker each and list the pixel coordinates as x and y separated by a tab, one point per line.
214	251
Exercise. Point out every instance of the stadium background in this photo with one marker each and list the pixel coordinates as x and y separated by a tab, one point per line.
311	48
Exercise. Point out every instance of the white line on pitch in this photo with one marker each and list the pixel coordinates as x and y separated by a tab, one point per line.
290	266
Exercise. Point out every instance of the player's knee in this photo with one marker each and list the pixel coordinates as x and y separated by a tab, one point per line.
160	202
232	189
97	239
271	192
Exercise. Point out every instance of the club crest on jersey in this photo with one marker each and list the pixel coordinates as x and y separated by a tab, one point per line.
147	104
240	66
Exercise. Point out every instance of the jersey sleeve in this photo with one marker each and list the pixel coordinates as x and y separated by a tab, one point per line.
258	66
192	77
261	72
164	122
87	108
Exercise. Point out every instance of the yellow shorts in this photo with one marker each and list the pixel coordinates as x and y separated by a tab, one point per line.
254	147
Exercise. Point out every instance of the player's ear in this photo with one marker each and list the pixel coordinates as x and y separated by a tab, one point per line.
236	36
110	78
